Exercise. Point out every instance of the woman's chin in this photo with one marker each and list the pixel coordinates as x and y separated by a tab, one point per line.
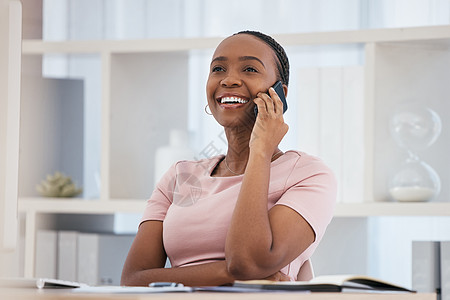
245	122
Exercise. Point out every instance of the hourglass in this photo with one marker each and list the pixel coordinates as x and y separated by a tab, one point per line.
414	129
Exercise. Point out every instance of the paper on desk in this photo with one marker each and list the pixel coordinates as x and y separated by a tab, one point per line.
40	283
234	289
131	289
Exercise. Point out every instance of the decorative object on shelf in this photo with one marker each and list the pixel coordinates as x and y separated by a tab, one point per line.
58	185
414	128
178	149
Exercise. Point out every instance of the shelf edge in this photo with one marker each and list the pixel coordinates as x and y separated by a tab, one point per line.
369	209
80	206
184	44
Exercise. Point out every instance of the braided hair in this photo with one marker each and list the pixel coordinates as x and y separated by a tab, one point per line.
282	59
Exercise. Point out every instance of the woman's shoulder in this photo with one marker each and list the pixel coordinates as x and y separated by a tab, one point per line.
198	165
304	164
303	158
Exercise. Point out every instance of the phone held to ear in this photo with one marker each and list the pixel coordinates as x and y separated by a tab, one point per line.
278	87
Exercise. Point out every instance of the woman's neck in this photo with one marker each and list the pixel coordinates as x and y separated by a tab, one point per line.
238	139
238	152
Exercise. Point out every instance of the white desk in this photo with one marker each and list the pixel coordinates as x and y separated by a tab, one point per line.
56	294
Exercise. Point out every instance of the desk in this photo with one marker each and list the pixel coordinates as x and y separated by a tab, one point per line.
34	294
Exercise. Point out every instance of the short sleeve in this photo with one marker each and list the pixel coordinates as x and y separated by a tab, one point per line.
311	191
161	198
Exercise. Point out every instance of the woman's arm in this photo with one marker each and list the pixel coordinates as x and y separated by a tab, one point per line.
146	260
259	242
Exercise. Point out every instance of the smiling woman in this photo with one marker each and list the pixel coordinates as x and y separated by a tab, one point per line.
256	212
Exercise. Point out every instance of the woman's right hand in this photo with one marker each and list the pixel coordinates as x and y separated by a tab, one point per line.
269	128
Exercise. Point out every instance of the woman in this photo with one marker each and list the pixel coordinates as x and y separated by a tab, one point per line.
252	214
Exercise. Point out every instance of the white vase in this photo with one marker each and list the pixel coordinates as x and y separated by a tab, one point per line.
178	149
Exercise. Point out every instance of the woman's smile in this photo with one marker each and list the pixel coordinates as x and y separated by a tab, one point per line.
229	101
233	100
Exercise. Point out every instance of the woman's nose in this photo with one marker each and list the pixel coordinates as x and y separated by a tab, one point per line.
231	80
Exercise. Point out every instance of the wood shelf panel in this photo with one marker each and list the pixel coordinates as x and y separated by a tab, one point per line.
392	209
82	206
435	34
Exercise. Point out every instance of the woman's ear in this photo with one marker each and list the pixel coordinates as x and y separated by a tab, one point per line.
285	90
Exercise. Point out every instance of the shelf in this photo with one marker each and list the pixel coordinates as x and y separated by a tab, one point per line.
80	206
117	46
437	34
369	209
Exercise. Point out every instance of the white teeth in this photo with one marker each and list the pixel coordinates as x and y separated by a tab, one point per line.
232	100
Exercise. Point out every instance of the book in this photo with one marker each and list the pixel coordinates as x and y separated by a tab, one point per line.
87	258
445	270
332	126
426	266
101	257
67	255
328	283
113	250
46	253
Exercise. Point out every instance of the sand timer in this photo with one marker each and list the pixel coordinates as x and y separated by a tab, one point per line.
414	128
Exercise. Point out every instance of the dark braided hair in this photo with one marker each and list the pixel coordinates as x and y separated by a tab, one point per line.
282	59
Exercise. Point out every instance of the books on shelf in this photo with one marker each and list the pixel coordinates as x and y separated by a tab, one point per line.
425	266
445	269
331	126
431	267
46	253
101	257
89	258
67	255
328	283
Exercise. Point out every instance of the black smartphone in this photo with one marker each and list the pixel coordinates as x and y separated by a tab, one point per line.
278	87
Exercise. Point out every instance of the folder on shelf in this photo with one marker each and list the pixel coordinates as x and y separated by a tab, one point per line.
46	253
101	256
67	255
425	266
445	270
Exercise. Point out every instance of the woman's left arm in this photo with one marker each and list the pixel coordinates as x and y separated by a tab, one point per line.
261	242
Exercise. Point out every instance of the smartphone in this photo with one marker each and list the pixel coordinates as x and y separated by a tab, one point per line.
278	87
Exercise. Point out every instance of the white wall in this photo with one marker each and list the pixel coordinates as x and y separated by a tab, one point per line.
10	37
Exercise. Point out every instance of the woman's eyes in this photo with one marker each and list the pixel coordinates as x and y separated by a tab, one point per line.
222	69
217	69
250	69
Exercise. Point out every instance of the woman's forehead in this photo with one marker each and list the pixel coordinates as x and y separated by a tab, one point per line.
243	45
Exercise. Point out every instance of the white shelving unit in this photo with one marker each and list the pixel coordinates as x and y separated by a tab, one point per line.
344	210
398	62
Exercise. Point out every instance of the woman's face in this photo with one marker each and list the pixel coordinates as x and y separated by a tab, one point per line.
241	67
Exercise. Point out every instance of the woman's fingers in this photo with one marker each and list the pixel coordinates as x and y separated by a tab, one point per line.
268	101
276	100
261	104
272	102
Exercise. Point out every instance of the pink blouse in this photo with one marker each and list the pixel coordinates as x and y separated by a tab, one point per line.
196	208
